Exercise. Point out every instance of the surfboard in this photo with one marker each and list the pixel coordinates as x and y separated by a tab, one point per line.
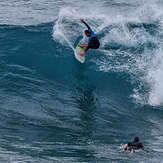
77	56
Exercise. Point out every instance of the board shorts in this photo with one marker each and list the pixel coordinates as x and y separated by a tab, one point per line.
94	43
130	148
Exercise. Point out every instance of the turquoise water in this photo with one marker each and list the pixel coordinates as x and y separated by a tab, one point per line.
55	109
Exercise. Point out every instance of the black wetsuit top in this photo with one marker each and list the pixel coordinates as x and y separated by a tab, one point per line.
135	145
93	40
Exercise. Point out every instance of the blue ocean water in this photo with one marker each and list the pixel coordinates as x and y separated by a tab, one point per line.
55	109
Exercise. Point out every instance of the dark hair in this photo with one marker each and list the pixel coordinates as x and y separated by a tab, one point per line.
136	139
87	32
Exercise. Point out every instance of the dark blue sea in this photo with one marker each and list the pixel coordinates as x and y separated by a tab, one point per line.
56	109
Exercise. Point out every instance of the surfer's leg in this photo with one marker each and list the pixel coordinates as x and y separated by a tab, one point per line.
86	46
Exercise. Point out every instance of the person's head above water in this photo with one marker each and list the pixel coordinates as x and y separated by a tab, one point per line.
136	139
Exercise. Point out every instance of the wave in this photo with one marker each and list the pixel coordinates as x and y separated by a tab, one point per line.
55	108
130	44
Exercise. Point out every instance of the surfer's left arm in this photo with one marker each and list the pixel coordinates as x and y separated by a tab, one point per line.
85	23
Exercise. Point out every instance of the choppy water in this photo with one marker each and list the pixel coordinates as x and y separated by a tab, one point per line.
55	109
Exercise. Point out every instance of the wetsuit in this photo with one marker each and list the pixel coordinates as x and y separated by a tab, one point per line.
134	145
93	40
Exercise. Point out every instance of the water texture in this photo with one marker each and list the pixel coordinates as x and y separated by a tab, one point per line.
55	109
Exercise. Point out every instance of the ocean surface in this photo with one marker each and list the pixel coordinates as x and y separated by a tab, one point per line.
55	109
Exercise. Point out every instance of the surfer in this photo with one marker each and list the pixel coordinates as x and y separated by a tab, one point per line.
132	146
93	40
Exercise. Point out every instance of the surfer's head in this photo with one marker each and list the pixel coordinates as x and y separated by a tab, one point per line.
87	33
136	139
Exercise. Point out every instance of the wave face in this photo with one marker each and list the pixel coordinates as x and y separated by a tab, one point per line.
55	109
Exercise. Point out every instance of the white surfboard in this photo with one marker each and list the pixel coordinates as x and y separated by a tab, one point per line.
79	57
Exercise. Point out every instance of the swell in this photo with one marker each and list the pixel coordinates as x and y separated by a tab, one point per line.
57	108
41	49
39	69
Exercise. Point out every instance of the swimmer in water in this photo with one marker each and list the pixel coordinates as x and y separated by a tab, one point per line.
132	146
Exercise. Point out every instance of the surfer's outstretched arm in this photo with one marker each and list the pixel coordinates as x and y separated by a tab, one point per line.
85	23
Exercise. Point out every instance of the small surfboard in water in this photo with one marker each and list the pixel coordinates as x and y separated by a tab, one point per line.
77	56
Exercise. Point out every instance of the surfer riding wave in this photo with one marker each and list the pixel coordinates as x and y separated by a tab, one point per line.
93	40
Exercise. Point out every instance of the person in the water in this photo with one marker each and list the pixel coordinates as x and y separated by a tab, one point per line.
132	146
93	40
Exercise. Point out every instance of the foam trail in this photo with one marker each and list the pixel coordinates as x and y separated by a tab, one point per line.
68	42
57	33
66	27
